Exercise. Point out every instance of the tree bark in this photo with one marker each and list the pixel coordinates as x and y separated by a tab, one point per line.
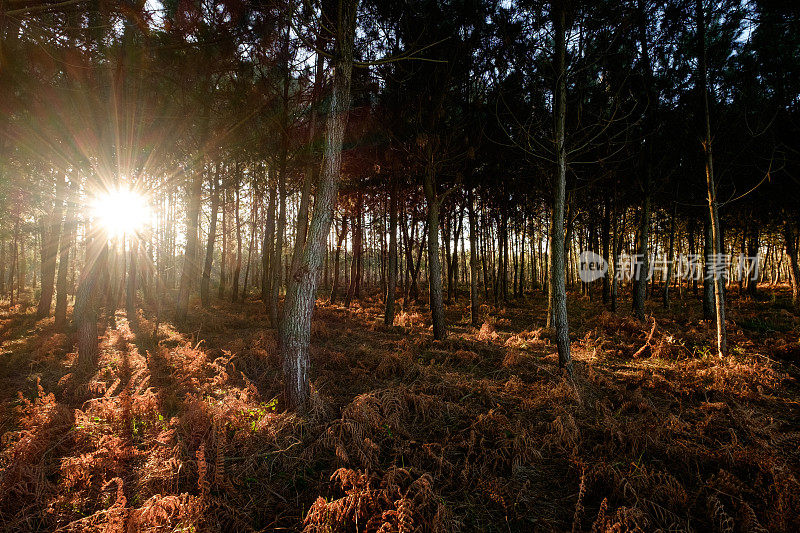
267	248
50	240
312	168
205	284
223	258
616	252
391	282
237	270
671	258
690	241
339	241
2	267
22	271
446	226
14	256
189	271
253	217
411	286
85	313
434	262
295	328
521	281
277	253
549	312
789	236
454	258
67	240
502	245
557	235
642	268
708	273
130	292
473	260
752	251
355	266
719	294
606	238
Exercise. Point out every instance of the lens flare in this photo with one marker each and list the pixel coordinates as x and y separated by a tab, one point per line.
121	211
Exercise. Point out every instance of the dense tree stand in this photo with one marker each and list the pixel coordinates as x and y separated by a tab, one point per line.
399	267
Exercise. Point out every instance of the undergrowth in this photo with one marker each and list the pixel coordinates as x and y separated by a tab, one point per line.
185	431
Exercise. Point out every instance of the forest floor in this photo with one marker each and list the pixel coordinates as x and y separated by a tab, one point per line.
480	432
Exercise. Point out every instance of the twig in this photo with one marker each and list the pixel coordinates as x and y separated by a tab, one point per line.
647	342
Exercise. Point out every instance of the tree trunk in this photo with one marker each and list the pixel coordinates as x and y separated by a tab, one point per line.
434	264
692	252
616	252
791	251
671	258
606	238
312	168
355	269
22	272
409	251
14	256
67	240
253	214
503	255
267	248
762	271
2	268
85	313
295	328
495	266
384	253
50	240
189	271
359	259
719	295
205	284
109	278
569	220
417	266
130	293
473	260
455	256
277	253
446	225
391	282
708	273
237	270
223	258
301	228
559	196
642	266
521	280
339	241
752	251
549	312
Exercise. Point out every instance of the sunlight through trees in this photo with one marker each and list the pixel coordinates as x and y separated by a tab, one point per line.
443	265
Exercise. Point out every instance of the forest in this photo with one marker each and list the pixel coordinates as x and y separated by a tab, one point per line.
399	266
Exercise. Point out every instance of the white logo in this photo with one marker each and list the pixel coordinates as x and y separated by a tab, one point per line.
592	266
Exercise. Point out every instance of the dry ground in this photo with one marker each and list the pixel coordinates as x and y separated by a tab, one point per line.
184	431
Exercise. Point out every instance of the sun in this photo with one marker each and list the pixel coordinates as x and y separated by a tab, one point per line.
121	211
